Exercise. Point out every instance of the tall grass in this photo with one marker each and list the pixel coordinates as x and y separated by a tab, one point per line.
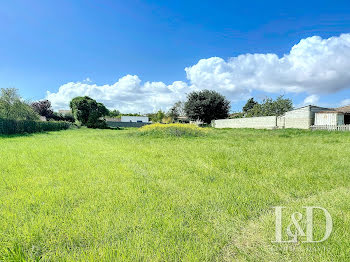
103	195
172	130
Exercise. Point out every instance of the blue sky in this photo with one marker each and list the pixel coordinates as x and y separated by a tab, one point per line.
88	46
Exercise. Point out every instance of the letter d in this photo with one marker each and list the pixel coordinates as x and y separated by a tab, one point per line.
309	224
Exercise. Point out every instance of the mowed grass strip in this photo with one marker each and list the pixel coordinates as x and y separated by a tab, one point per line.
110	195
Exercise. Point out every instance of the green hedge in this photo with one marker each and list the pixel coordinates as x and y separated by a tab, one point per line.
9	127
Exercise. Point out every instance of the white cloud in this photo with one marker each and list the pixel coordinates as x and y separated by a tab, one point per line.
345	102
314	66
128	94
311	100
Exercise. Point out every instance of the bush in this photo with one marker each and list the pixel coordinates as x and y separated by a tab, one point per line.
62	117
172	130
9	127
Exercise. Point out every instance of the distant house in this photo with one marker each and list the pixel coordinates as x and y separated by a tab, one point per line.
128	121
346	111
183	119
65	112
135	119
305	117
333	118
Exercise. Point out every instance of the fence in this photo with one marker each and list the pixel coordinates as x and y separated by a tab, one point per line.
9	126
331	127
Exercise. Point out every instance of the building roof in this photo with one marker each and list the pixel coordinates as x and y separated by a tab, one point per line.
344	109
113	119
65	111
312	106
330	111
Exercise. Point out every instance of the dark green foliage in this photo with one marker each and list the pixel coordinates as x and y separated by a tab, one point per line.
177	110
249	105
270	107
236	115
114	113
173	113
206	106
10	126
89	112
62	117
157	117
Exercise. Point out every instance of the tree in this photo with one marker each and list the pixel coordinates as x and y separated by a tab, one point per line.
13	107
270	107
176	110
206	106
43	108
114	113
62	117
249	105
157	117
89	112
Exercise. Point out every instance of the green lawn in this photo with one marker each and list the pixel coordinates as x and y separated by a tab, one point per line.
89	195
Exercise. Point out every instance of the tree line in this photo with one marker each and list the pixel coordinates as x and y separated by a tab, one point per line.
203	106
268	107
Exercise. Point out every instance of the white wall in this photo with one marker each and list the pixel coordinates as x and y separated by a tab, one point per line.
298	118
267	122
281	122
302	118
329	119
143	119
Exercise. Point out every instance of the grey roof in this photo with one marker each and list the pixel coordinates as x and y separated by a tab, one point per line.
344	109
313	106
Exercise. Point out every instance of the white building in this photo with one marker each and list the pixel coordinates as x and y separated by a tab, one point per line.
333	118
134	119
301	118
65	112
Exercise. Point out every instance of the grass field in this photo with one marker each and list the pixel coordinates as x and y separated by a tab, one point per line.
90	195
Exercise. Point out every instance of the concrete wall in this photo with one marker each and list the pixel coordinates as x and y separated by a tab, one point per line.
301	118
281	121
265	122
143	119
298	118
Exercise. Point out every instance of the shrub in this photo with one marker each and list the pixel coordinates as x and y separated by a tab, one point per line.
9	127
62	117
172	130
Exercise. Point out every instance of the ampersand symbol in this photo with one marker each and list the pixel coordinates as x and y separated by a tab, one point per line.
296	218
